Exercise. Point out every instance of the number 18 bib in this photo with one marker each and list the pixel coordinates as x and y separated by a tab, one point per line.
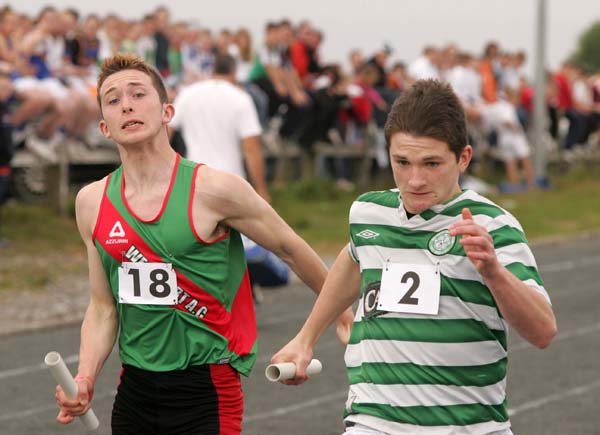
147	283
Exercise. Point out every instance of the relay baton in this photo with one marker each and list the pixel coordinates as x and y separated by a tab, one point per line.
63	377
284	371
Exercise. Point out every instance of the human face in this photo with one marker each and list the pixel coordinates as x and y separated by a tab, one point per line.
131	108
425	170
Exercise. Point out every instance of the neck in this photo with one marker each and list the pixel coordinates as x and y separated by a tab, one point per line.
227	77
147	164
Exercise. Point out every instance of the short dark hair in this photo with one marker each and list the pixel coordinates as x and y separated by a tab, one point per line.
224	64
122	62
429	108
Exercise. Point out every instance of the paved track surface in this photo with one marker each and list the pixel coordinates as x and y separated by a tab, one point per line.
555	391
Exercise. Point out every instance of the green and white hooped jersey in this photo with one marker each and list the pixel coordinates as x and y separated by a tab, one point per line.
441	373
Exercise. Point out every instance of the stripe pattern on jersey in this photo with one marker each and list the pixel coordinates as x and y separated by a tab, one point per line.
443	373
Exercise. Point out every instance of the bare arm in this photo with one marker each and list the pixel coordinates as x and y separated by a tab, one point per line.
522	306
232	202
100	323
339	291
32	39
255	164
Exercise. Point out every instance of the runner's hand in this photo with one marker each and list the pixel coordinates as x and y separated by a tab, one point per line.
299	355
477	243
69	408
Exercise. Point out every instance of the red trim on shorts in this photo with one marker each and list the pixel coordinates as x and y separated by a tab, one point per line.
190	216
231	398
165	199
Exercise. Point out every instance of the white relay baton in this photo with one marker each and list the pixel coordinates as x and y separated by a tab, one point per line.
284	371
63	377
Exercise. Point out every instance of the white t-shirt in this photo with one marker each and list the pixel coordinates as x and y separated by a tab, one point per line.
422	69
466	83
214	116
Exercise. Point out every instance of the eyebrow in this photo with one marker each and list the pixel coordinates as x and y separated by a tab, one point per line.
424	159
129	85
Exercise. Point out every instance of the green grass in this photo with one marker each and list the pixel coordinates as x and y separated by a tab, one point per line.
43	247
319	213
572	206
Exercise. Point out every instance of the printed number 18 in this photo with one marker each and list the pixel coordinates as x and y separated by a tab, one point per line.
158	277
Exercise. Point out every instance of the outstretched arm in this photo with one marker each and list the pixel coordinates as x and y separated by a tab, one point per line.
234	203
522	306
341	288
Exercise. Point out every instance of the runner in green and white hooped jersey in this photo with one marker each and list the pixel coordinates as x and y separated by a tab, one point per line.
441	273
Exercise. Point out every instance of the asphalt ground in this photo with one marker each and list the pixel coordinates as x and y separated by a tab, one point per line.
552	391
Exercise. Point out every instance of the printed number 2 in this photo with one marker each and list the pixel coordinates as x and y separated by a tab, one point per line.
407	298
156	281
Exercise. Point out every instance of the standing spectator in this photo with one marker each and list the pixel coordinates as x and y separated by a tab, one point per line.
220	126
161	40
426	66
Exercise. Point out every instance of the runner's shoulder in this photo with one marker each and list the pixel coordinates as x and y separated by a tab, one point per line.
89	193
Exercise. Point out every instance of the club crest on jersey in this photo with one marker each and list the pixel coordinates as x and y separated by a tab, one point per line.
441	243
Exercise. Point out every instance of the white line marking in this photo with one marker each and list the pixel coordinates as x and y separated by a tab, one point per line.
559	337
48	408
296	407
30	369
561	266
563	394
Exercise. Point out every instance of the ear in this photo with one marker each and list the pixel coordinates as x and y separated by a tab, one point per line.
465	158
104	129
168	111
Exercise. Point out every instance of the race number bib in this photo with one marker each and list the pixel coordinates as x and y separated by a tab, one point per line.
147	283
410	288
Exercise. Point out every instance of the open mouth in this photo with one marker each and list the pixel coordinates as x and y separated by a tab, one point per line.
129	124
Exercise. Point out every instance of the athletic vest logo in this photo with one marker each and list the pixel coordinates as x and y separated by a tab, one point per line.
441	243
367	234
117	230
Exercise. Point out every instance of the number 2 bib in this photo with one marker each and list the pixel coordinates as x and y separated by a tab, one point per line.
410	288
147	283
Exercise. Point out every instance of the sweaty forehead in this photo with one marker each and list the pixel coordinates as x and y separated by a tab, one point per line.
123	79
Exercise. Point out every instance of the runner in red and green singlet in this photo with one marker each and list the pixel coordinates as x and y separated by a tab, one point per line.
168	273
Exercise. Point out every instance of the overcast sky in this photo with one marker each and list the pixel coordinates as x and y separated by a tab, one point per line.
407	25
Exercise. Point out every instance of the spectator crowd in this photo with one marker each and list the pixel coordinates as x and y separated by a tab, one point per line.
49	64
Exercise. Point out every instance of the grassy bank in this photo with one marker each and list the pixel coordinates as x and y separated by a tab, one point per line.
319	212
43	246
